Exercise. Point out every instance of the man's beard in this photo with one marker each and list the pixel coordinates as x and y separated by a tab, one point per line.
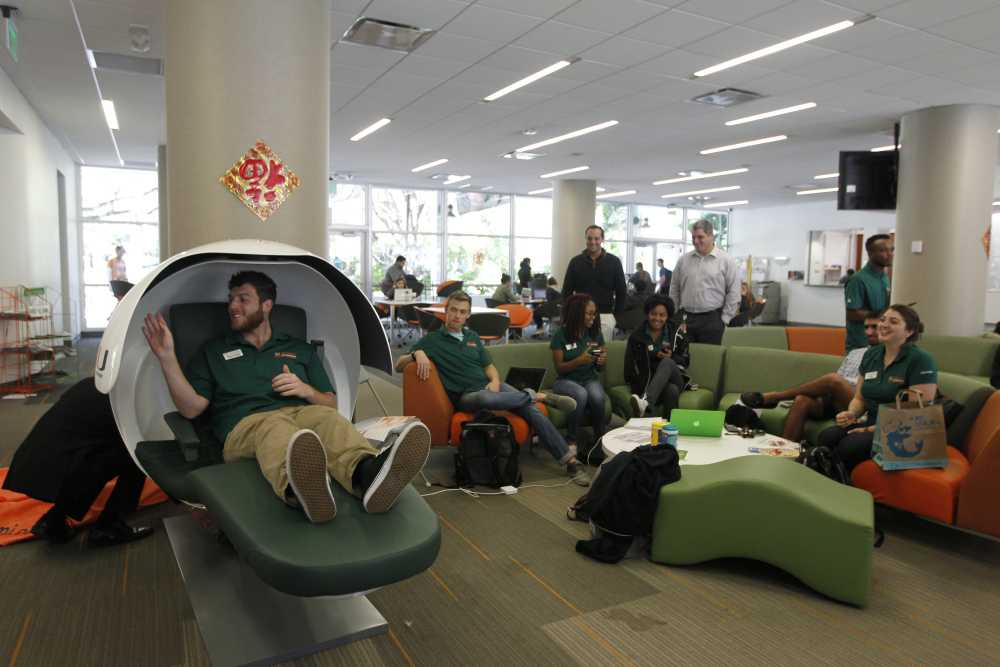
250	321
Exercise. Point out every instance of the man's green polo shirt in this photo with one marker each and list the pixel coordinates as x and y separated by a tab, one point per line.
580	374
460	363
911	367
867	289
236	377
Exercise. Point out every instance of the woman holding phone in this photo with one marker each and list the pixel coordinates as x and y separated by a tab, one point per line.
579	354
654	356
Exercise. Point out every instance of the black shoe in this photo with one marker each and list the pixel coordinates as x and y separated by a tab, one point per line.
53	529
752	399
116	532
384	477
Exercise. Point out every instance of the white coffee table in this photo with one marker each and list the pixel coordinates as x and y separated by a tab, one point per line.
700	451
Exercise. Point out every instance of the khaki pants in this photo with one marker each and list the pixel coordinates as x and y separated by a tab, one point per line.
265	436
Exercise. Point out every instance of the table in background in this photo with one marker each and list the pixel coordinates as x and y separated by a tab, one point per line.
700	451
392	303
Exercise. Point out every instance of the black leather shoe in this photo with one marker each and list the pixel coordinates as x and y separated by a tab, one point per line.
752	399
118	532
53	529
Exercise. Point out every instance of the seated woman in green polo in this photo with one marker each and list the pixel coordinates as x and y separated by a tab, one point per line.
579	354
896	363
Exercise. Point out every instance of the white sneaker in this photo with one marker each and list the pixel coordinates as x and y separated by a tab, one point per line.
639	405
398	463
305	461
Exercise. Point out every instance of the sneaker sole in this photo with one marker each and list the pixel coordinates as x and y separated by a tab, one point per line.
305	459
635	406
407	458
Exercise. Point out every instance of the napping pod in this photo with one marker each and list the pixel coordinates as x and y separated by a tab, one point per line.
337	313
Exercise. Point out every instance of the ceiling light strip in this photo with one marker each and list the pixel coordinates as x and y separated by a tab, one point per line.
674	195
110	115
775	48
820	177
457	178
738	202
744	144
882	149
816	191
568	135
712	174
531	78
428	165
562	172
621	193
540	192
771	114
374	127
93	76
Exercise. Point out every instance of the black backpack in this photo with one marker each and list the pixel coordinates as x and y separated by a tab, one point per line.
739	416
487	454
823	461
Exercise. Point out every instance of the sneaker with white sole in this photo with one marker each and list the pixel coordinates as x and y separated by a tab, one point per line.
580	478
395	467
639	405
559	401
305	461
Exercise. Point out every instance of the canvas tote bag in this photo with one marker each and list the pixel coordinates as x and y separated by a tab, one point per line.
910	435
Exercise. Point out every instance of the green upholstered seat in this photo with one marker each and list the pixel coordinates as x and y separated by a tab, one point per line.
772	510
164	462
962	355
774	338
355	552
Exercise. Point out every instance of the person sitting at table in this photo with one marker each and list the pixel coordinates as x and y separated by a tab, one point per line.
579	354
505	292
395	274
553	296
823	397
473	383
654	356
896	363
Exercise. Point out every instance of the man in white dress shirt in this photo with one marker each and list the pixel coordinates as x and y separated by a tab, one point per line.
705	287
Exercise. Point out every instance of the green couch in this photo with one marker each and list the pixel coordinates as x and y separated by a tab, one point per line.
963	355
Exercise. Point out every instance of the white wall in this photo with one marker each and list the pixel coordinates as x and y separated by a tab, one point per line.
29	211
784	231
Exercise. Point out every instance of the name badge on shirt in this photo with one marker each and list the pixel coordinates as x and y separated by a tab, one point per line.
232	354
650	347
570	346
285	355
871	375
897	380
472	344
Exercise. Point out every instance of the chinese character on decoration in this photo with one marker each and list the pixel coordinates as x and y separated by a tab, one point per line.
261	180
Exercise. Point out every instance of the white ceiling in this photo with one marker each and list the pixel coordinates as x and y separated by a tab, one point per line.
636	60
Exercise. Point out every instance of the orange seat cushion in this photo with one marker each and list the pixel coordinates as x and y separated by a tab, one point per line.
930	492
522	431
820	340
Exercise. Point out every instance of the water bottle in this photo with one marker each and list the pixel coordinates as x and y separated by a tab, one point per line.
668	435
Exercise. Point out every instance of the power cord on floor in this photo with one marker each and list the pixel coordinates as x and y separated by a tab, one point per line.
476	494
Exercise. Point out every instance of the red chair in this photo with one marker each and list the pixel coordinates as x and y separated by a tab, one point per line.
519	316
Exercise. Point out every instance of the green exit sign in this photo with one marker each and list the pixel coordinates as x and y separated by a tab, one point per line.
11	38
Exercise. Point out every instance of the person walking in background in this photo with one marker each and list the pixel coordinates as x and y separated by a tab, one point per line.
663	286
393	274
705	286
505	292
524	274
867	291
116	265
598	274
640	275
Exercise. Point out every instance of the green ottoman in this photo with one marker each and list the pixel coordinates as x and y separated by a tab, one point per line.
772	510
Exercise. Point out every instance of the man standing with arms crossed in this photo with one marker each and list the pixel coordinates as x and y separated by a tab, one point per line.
598	273
867	291
705	287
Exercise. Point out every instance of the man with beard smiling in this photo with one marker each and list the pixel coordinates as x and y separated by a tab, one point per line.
269	398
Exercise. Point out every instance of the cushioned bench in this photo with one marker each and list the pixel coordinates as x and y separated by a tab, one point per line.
760	336
970	356
772	510
820	340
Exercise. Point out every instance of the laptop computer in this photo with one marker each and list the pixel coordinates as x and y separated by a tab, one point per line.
520	377
704	423
539	293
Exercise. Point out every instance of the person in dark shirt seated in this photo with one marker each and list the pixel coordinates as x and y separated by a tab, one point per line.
552	296
652	369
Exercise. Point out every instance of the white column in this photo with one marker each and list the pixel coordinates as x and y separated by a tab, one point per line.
947	163
238	71
572	212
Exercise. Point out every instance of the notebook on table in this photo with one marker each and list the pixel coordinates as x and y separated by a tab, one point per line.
704	423
520	377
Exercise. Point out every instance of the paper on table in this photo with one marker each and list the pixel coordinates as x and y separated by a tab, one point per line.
634	436
377	428
642	423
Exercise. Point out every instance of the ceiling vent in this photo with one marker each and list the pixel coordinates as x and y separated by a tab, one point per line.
727	97
386	34
131	64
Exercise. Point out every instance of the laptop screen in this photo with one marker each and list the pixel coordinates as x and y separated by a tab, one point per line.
525	378
538	293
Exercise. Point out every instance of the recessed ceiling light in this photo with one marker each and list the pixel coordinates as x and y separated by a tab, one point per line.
816	191
675	195
540	192
772	114
721	204
561	172
820	177
568	135
93	62
109	113
780	46
744	144
530	132
621	193
457	178
997	203
698	175
600	189
880	149
531	78
428	165
377	125
464	185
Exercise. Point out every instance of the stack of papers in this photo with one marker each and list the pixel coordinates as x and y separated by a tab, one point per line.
775	446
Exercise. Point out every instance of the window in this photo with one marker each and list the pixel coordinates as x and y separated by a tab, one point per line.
347	205
119	207
659	222
405	222
478	226
532	217
404	211
614	219
346	252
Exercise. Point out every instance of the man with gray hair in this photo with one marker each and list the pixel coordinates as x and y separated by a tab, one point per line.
705	287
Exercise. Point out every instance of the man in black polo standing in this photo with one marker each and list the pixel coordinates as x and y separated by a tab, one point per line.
598	273
706	286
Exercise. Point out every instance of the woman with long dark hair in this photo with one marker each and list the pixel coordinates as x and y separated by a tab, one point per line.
579	354
896	363
654	356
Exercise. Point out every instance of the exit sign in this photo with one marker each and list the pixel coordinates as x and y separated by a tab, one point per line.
11	37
